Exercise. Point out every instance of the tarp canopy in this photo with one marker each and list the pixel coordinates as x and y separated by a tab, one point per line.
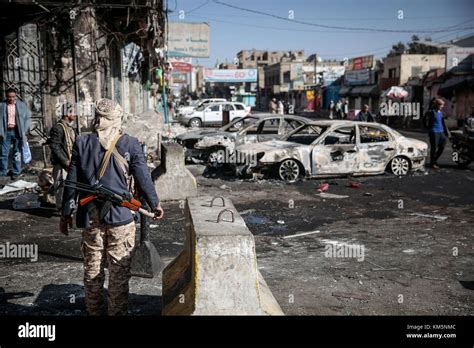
395	92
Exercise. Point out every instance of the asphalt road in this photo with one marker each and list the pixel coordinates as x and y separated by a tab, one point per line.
416	232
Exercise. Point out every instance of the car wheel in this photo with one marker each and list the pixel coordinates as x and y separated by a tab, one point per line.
400	166
195	123
289	170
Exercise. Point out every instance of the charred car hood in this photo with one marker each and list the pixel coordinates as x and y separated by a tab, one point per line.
272	145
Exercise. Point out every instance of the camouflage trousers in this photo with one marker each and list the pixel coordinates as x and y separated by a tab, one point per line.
111	245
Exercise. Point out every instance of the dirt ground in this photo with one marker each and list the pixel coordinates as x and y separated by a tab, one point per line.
417	233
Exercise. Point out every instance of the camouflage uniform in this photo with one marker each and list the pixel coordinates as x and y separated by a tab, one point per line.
114	244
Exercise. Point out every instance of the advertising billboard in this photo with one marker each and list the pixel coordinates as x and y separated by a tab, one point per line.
358	63
181	64
358	77
230	75
188	39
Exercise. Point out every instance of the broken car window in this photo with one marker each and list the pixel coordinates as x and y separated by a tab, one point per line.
269	126
306	135
343	135
372	135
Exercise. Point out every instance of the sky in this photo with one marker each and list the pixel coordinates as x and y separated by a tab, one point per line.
232	30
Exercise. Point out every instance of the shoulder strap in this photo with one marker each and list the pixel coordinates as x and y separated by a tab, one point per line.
106	158
68	139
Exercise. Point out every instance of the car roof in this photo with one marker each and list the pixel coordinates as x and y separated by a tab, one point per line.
292	117
343	122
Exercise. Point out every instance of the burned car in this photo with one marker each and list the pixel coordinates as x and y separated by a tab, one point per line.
334	148
208	145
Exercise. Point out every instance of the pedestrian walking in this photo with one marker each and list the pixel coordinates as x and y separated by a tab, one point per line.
331	110
437	131
338	109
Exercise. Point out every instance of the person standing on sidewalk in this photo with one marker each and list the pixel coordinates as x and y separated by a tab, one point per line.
365	115
62	138
112	158
15	121
437	131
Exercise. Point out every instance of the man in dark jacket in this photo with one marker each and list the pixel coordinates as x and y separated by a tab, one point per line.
437	131
62	138
15	121
111	238
364	115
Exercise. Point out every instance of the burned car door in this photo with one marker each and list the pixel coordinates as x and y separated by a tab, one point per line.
268	129
376	148
336	152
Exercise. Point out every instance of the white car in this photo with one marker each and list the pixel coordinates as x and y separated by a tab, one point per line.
196	104
212	114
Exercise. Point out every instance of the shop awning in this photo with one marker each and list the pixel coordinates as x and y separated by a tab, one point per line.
344	91
365	91
456	82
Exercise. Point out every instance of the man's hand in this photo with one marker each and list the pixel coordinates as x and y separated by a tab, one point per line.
158	212
64	224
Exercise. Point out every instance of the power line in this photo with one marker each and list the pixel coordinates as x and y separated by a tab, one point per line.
342	18
439	30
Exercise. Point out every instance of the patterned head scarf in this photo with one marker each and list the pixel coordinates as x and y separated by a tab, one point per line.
108	121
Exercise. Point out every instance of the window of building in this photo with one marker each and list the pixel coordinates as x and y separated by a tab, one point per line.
392	73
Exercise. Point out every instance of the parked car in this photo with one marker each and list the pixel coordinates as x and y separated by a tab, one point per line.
205	144
194	104
334	148
212	114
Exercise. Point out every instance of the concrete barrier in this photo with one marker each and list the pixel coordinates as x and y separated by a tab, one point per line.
173	181
216	273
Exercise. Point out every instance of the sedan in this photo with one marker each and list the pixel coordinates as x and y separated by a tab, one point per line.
205	144
334	148
212	114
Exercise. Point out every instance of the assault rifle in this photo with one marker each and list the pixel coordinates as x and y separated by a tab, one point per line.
108	197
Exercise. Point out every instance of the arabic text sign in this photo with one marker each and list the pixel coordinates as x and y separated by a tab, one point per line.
332	74
357	77
230	75
181	64
188	39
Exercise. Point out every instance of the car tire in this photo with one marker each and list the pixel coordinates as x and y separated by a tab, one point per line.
195	122
400	166
289	170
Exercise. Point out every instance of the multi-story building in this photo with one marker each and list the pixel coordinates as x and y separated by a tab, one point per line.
399	69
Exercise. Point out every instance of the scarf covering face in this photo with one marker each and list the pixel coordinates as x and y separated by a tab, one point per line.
108	121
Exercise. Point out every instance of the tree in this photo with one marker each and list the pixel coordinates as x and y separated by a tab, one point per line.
397	49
